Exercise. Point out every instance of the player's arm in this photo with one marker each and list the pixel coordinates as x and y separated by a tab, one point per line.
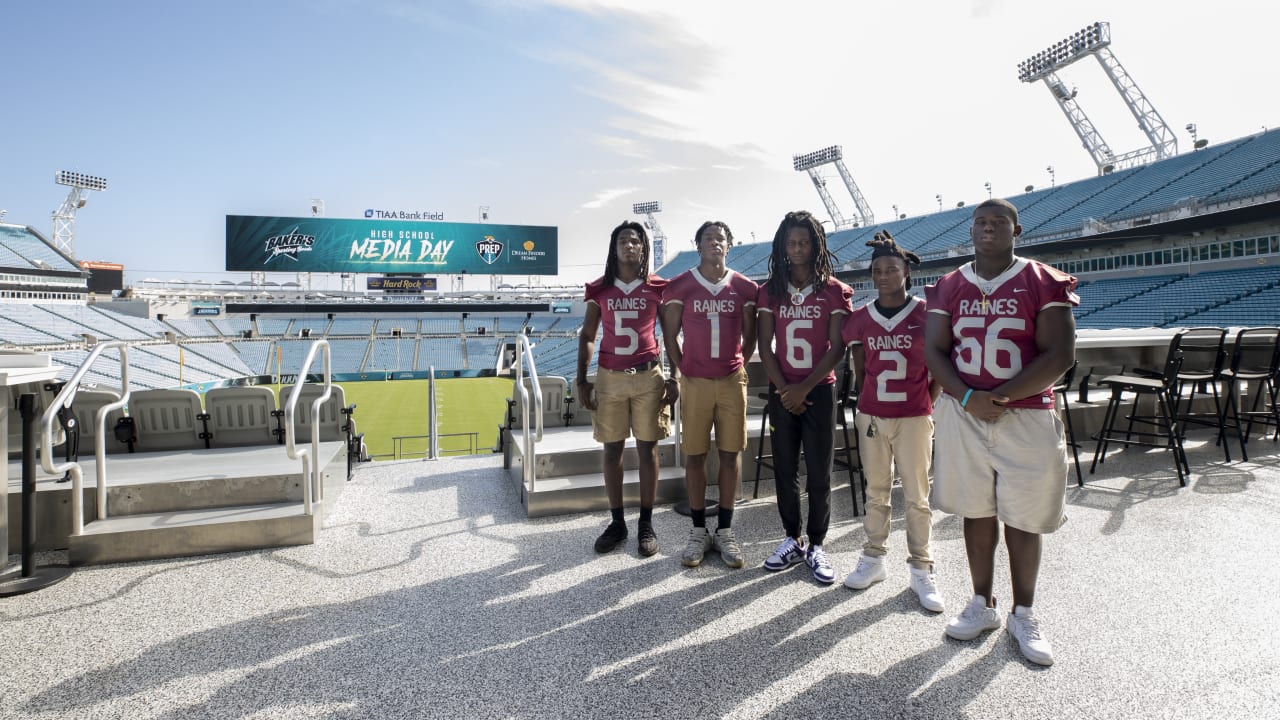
764	327
748	333
858	356
586	348
1056	343
672	316
938	344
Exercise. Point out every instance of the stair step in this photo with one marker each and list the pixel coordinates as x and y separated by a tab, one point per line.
193	532
585	493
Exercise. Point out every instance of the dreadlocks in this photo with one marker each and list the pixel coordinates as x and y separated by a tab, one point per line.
611	263
780	266
883	245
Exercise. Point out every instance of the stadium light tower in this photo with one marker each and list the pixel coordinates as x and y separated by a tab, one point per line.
64	218
834	155
649	210
1095	40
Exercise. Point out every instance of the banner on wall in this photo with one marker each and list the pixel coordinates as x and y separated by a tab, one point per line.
338	245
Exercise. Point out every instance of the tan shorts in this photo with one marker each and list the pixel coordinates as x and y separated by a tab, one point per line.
627	404
1014	468
714	402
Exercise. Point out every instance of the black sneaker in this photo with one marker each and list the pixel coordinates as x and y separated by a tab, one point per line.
611	537
648	539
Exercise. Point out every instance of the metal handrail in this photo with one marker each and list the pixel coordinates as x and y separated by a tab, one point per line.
64	400
311	485
529	440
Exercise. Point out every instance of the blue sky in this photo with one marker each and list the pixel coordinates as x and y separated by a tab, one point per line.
566	112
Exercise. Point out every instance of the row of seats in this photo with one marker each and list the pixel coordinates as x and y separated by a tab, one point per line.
177	419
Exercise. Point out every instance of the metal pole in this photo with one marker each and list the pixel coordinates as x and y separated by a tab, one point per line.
27	406
433	450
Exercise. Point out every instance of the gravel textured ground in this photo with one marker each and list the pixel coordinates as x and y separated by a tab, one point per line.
430	595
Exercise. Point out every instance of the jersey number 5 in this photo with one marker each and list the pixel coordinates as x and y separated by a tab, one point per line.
621	331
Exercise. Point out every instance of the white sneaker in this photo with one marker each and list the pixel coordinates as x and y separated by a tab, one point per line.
975	619
1024	627
926	589
697	547
870	570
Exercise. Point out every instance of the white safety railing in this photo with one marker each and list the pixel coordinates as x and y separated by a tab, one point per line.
528	438
312	487
64	400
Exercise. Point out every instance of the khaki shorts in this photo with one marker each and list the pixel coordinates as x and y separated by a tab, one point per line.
1014	468
714	402
630	403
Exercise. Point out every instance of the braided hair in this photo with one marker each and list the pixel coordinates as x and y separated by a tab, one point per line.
780	265
883	245
611	262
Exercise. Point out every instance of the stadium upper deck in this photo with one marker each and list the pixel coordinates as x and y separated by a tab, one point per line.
1191	240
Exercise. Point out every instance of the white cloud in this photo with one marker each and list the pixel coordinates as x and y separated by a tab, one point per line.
604	197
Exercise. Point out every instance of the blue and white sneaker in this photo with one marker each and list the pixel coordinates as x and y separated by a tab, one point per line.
788	553
817	559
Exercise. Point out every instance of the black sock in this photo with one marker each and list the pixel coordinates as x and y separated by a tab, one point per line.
699	516
725	517
617	515
646	515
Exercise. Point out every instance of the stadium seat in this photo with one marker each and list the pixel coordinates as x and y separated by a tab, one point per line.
168	420
333	423
85	407
243	416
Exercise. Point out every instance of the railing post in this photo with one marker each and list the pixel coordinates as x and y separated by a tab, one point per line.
433	421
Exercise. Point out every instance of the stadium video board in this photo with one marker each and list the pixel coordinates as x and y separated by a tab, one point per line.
311	244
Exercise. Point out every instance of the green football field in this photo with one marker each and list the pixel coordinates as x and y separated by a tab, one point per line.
469	411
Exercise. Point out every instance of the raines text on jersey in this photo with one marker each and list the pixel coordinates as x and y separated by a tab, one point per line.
889	342
800	312
628	303
715	306
989	306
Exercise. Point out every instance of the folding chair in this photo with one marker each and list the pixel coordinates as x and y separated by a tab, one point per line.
846	451
1255	360
1164	425
1061	390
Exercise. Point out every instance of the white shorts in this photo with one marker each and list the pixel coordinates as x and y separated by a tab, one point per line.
1014	468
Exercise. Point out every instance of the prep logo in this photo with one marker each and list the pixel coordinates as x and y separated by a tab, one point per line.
288	245
490	249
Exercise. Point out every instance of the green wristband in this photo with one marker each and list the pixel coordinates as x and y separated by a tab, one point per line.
965	400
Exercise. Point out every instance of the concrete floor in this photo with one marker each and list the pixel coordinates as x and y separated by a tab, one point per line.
430	595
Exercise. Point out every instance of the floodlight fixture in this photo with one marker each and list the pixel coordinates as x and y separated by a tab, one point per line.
1191	128
987	185
939	199
80	180
825	156
1052	176
1085	41
646	208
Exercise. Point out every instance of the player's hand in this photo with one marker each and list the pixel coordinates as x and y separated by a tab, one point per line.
986	406
794	399
585	393
884	235
670	392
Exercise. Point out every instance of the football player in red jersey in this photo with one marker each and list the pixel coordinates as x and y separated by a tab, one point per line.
1000	333
895	403
630	395
715	309
801	308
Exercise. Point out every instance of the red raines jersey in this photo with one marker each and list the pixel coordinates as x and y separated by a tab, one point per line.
628	312
711	321
993	322
800	328
896	380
